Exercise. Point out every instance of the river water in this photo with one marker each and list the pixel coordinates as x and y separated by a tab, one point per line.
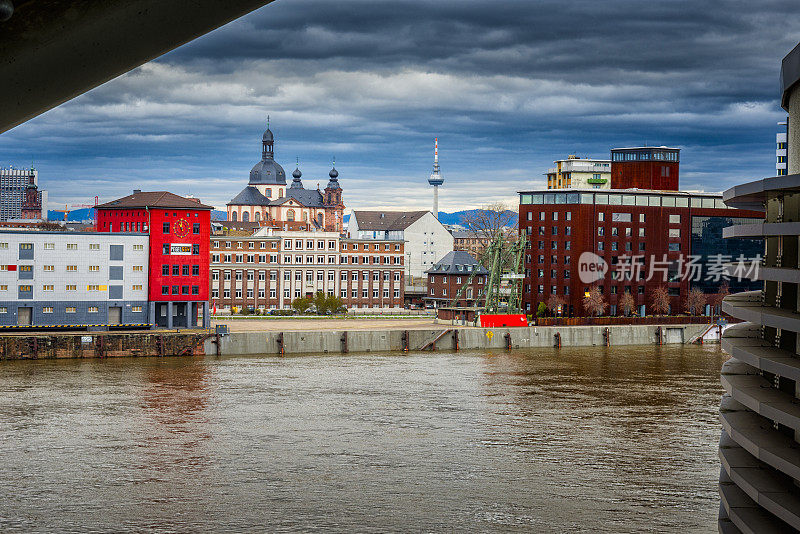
574	440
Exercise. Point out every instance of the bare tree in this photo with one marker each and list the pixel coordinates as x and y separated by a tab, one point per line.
695	301
554	303
626	303
660	300
593	302
488	221
722	292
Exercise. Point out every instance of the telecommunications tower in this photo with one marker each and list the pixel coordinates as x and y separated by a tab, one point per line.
435	178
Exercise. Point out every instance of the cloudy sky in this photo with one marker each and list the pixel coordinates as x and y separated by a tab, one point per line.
507	86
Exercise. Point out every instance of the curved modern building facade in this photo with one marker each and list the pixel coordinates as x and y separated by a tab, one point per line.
759	447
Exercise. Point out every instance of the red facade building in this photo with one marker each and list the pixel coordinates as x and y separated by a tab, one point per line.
645	168
179	257
660	230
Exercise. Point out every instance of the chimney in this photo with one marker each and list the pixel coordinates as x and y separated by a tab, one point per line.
137	191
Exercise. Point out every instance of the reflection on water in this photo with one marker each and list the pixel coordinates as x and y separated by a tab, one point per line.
575	440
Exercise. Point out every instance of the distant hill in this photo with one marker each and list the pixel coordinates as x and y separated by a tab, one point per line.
445	218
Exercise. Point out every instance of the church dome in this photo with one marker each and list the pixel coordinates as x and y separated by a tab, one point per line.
297	173
268	136
267	172
333	174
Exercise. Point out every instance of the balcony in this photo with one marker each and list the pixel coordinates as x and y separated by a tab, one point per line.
753	195
747	306
761	230
743	342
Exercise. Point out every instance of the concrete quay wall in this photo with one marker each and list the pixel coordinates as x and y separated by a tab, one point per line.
340	341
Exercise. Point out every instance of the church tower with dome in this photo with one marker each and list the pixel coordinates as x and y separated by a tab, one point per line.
268	201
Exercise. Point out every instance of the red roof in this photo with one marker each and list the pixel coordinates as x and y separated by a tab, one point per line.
155	199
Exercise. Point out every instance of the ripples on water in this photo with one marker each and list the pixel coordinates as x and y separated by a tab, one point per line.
575	440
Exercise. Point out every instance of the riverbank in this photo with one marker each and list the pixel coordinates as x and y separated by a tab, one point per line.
443	337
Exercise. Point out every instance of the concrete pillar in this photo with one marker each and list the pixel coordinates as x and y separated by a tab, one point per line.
169	314
793	137
152	314
206	318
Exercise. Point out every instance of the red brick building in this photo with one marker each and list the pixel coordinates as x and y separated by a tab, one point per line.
450	274
661	228
180	237
645	168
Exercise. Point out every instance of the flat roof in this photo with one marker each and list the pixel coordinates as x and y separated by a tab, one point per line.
621	191
646	148
10	231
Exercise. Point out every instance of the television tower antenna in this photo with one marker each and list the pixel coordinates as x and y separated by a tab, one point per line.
435	178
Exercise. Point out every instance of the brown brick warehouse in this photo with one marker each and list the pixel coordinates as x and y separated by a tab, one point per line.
660	226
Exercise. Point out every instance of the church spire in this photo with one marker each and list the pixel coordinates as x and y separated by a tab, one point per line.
267	142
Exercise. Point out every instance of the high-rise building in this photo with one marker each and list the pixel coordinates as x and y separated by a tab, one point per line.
780	150
19	189
579	173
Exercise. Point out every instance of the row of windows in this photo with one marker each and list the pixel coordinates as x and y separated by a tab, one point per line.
619	199
69	246
298	259
181	270
287	276
180	290
67	268
287	294
310	245
69	287
73	309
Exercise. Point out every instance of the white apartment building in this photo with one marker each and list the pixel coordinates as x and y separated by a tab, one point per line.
780	151
575	172
73	278
426	239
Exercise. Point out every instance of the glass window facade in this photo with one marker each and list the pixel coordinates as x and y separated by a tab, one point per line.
708	244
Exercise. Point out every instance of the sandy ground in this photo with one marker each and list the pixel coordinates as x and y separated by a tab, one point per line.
263	325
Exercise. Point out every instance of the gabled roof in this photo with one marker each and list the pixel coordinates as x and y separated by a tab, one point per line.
249	196
457	262
387	220
310	198
155	199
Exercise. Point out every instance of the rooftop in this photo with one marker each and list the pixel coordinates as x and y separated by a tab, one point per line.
155	199
387	220
457	262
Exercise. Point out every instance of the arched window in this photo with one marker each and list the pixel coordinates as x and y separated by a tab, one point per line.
290	215
258	217
305	216
321	219
269	192
233	216
245	216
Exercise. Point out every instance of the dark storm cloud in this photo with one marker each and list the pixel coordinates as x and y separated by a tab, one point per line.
507	86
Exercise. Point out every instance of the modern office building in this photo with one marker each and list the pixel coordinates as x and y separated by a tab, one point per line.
758	449
269	269
450	274
645	167
426	239
179	232
576	172
73	278
640	239
15	194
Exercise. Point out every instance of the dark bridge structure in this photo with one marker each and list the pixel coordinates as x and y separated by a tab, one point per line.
54	50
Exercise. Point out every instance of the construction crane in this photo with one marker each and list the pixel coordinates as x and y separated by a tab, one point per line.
65	211
94	211
503	288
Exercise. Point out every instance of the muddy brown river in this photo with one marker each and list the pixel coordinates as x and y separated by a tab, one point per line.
572	440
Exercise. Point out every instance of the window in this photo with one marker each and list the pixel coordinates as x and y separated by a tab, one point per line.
92	287
165	249
185	270
165	229
195	290
641	217
195	249
137	287
49	246
137	268
185	290
641	232
196	228
176	270
72	246
48	268
674	247
94	268
674	232
47	287
195	270
176	290
165	290
138	247
601	217
72	287
94	246
674	219
92	309
4	246
70	309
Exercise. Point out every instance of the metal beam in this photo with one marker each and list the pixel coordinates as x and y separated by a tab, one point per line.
54	50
